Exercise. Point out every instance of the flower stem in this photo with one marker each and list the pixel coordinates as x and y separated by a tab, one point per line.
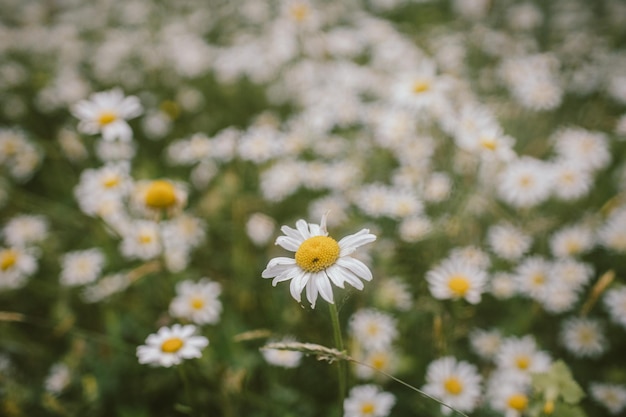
183	376
341	365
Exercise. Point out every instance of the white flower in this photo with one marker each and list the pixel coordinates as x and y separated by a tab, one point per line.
507	241
16	265
611	396
81	267
368	401
197	302
373	329
455	278
508	394
521	357
25	229
525	182
583	337
319	260
59	377
170	345
260	228
485	343
385	360
456	383
141	241
572	241
615	304
282	357
106	113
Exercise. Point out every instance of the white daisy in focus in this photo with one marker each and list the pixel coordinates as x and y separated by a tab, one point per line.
583	337
170	345
485	343
81	267
372	329
197	302
456	383
615	304
368	401
318	261
282	357
106	113
611	396
455	279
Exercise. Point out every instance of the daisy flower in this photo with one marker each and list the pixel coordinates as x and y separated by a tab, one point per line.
25	229
455	278
260	228
368	401
373	329
170	345
81	267
521	357
16	265
385	360
507	241
485	343
319	260
572	241
615	304
150	197
583	337
456	383
508	395
611	396
282	357
197	302
525	182
106	113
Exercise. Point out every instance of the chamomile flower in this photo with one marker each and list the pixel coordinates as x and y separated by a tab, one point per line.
106	113
141	240
583	337
521	357
508	241
81	267
59	377
572	241
373	329
151	197
532	276
611	396
454	279
508	395
615	304
525	182
16	265
282	357
385	360
197	302
25	229
260	228
456	383
170	345
368	401
393	293
319	260
485	343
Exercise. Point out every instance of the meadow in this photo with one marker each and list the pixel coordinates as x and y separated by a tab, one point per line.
361	208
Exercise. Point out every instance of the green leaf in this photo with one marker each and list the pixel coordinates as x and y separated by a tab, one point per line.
558	382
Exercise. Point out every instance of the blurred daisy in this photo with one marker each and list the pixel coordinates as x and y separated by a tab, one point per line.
25	229
106	113
485	343
455	279
414	228
150	197
393	293
588	150
583	337
385	360
368	401
611	396
141	240
456	383
521	357
615	303
170	345
508	241
572	241
502	285
532	276
16	265
81	267
197	302
508	395
372	329
570	180
59	377
612	233
319	260
282	357
525	182
574	274
260	228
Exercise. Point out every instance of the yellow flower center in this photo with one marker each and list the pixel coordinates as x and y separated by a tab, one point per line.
172	345
111	181
145	238
8	258
459	285
538	279
522	362
518	402
171	108
573	247
420	86
453	385
160	194
526	181
197	303
368	408
548	407
106	117
317	253
379	361
299	12
586	336
488	143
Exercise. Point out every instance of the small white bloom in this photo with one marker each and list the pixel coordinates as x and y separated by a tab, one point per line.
583	337
197	302
368	401
24	230
611	396
508	241
485	343
456	383
615	304
260	228
282	357
81	267
521	357
455	279
373	329
170	345
16	265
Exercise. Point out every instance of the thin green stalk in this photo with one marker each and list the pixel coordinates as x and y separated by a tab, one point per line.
183	376
341	365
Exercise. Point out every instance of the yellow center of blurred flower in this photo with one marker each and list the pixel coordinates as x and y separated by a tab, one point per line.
586	336
367	408
538	279
526	181
459	285
172	345
548	407
145	238
299	12
106	117
488	143
572	247
420	86
317	253
160	194
7	259
111	181
379	361
453	385
197	303
518	402
522	362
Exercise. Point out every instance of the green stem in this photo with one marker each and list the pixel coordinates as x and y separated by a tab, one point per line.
183	376
341	365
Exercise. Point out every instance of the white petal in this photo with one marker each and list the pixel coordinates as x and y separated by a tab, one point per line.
298	283
288	243
334	273
303	228
349	243
311	292
323	285
357	267
346	276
